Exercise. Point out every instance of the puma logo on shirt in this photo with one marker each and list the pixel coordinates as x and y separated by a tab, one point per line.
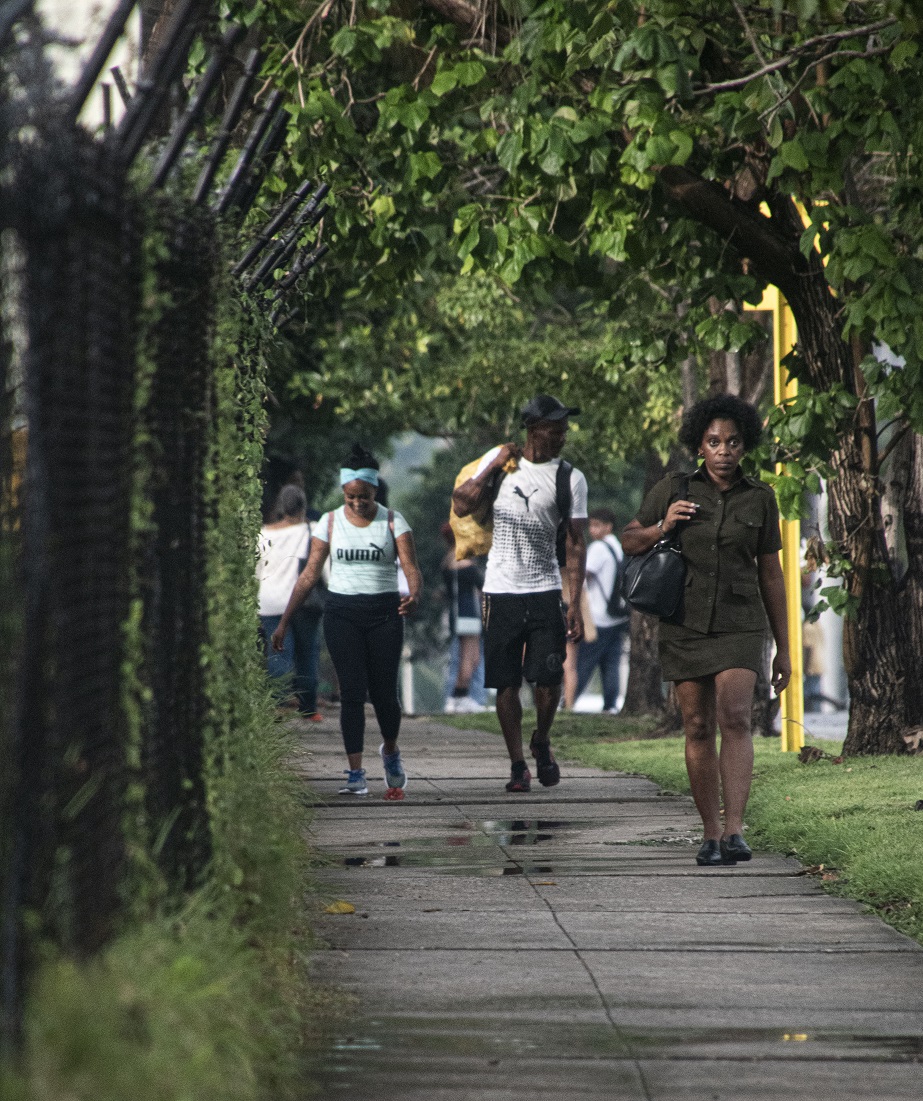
360	554
519	493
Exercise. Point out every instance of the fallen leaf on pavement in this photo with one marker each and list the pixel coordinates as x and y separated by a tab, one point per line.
340	907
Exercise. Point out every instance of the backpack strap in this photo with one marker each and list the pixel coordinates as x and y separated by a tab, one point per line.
615	576
562	490
564	501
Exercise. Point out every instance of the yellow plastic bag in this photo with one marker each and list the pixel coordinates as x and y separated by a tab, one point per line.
474	533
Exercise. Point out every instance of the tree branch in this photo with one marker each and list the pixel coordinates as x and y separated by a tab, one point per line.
749	33
750	232
467	16
895	440
805	47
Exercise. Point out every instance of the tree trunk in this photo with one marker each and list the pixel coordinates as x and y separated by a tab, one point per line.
644	691
910	626
871	656
672	722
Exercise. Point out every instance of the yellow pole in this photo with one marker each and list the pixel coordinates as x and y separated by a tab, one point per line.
784	338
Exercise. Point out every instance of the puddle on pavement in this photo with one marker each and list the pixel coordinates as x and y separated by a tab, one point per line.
457	1037
807	1045
463	849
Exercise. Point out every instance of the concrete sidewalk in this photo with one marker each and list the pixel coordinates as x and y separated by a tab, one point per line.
563	944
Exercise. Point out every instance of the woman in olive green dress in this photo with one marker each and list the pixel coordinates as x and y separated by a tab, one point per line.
712	649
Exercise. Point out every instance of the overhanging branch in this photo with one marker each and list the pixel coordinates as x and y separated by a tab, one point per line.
470	17
750	232
805	48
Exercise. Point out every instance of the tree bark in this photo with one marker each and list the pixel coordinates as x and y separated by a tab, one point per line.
644	691
910	626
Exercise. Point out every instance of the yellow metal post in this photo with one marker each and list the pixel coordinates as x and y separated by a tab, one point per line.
784	338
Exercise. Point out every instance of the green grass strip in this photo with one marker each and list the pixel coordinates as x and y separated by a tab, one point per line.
853	823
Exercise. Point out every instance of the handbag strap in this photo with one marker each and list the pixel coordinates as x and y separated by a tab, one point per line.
673	536
397	557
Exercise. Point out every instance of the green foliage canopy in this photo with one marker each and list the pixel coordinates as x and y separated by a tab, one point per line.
635	162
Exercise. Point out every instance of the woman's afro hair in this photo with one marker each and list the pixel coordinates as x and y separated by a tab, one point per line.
360	459
721	407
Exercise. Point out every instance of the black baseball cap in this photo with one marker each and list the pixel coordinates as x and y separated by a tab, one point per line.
543	407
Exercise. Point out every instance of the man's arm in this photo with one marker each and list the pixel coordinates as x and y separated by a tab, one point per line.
469	496
575	565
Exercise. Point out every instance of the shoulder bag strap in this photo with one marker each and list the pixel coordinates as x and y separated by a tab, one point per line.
615	574
682	495
302	562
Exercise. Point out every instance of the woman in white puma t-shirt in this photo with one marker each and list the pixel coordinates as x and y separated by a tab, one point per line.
363	613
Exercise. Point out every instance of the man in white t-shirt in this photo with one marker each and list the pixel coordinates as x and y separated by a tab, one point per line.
603	560
526	626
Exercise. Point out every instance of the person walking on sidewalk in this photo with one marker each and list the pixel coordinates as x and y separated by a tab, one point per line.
728	528
607	607
363	613
462	582
283	548
538	507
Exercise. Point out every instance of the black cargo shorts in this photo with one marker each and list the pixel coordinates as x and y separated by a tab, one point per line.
525	635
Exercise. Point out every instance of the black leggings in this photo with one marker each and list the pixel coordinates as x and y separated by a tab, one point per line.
365	636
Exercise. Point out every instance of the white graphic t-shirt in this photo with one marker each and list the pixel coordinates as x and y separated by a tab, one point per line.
522	558
362	560
600	577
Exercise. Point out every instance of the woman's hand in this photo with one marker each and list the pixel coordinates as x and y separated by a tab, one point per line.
677	512
408	604
277	638
781	673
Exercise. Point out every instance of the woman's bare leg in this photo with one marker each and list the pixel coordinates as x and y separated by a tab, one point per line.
696	700
734	707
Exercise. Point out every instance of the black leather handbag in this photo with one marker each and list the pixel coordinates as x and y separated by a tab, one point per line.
654	582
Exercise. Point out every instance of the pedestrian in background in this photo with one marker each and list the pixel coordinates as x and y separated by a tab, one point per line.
283	548
727	525
462	581
607	607
569	691
363	615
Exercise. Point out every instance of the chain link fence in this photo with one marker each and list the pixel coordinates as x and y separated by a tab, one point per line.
107	363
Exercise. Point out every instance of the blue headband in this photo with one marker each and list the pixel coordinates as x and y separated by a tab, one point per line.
364	474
